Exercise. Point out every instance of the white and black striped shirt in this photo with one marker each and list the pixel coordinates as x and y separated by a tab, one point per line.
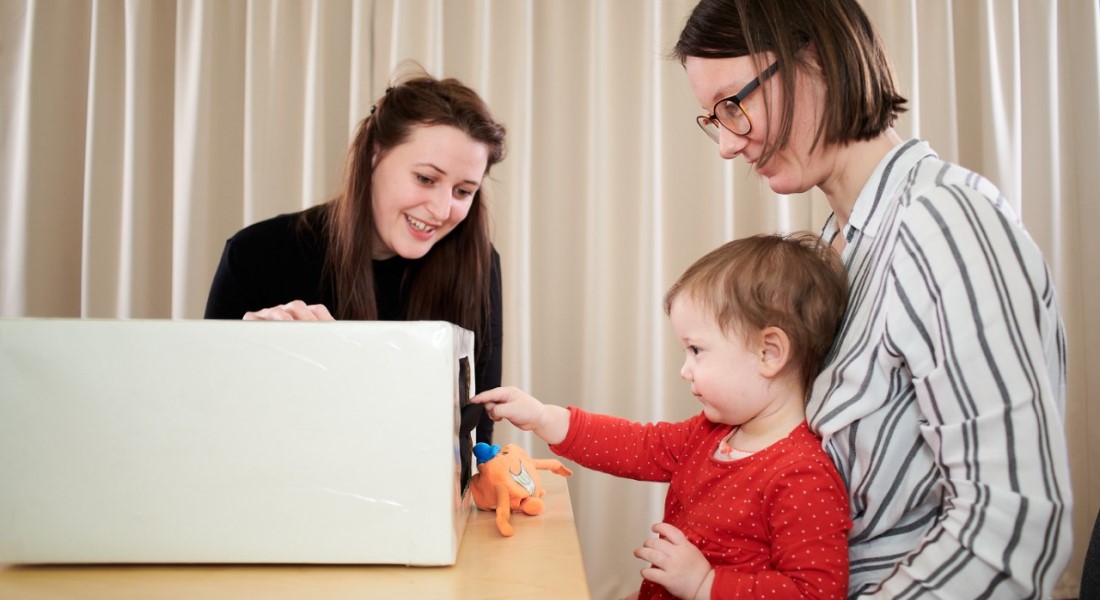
942	400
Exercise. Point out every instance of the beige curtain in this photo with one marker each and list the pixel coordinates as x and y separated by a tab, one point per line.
138	135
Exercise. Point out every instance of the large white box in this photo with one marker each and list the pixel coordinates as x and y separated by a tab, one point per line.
159	441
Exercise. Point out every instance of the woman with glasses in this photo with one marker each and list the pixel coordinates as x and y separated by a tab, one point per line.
942	400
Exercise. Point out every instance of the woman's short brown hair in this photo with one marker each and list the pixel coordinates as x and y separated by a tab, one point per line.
863	100
794	282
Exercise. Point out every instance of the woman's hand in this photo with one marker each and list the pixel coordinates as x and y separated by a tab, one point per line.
675	563
549	422
291	311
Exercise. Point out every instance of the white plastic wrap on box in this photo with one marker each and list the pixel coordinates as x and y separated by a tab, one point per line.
228	441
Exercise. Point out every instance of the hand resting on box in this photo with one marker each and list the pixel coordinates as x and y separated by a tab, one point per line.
291	311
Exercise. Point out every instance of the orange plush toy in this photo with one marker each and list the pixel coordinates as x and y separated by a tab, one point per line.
507	480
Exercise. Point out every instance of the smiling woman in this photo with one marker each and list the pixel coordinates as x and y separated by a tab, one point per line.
407	239
423	189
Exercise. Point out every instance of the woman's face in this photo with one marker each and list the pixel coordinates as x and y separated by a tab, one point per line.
422	189
792	169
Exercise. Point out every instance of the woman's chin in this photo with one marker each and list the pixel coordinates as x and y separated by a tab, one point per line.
413	251
783	187
781	180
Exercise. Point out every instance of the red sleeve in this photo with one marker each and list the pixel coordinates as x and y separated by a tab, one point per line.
645	452
806	508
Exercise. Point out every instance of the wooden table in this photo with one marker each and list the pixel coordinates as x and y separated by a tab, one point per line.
542	560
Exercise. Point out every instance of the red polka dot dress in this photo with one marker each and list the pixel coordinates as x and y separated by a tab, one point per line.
773	524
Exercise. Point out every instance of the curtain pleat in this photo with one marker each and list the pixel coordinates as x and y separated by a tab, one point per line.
14	30
209	150
1071	244
46	159
137	136
508	63
103	253
274	143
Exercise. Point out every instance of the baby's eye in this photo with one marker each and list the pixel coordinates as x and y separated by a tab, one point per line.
694	349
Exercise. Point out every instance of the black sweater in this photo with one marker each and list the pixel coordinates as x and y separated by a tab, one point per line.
275	261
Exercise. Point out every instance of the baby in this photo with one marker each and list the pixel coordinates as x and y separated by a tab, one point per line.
753	503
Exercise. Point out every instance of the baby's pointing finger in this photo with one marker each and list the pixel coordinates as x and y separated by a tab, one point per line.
491	410
495	396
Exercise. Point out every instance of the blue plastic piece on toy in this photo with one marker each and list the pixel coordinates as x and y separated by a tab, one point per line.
485	452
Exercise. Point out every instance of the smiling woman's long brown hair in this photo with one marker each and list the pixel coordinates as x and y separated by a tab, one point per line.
451	282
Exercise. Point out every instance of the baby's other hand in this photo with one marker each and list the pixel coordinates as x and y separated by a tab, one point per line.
675	563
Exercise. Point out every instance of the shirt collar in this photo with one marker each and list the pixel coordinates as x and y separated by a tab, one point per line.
886	179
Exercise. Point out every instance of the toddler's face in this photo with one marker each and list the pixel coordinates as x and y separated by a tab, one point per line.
722	369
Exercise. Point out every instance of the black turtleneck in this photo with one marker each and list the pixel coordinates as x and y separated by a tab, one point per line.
273	262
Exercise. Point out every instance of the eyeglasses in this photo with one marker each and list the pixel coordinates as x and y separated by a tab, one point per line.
729	113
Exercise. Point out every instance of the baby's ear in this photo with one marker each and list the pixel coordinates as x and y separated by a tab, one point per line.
773	351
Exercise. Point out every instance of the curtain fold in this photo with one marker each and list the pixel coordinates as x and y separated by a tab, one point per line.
137	136
48	99
127	166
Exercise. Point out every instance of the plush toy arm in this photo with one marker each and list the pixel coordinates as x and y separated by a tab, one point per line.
554	466
504	510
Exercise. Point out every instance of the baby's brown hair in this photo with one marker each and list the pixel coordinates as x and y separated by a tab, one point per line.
794	282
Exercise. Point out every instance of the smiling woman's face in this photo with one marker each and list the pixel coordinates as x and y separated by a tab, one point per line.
791	170
422	189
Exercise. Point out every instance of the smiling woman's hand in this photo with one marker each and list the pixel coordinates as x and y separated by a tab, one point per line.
291	311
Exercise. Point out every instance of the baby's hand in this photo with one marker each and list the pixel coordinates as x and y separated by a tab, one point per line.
675	563
549	422
512	404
